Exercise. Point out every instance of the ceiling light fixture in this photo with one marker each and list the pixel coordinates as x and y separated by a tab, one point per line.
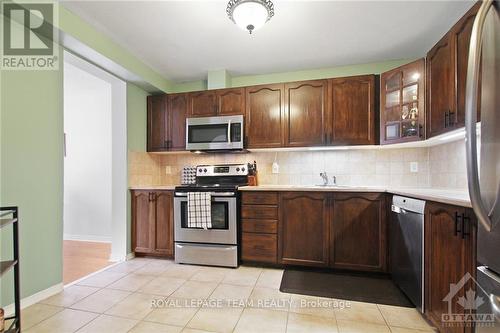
250	14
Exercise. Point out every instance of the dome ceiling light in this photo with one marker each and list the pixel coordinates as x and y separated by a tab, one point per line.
250	15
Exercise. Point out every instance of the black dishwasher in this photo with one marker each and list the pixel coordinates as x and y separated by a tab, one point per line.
406	241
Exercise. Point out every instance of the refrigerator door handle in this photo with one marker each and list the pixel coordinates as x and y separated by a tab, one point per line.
471	92
495	304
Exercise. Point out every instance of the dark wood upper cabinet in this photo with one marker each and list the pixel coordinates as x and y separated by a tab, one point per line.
231	102
264	116
358	232
449	255
303	228
446	77
461	34
402	103
152	223
157	123
352	118
440	87
177	112
202	103
306	107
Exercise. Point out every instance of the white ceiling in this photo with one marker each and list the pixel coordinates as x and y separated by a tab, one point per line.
182	40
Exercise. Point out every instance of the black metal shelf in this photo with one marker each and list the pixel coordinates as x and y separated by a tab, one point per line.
7	265
6	222
6	212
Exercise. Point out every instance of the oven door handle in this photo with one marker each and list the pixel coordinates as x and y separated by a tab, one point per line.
214	194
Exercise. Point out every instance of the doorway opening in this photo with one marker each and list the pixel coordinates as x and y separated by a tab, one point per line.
94	169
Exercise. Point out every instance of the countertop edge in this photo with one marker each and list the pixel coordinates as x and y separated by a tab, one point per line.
446	196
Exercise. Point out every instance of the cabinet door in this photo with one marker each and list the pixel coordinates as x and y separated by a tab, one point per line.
305	113
461	34
202	103
177	111
231	102
440	87
163	234
141	217
304	229
264	111
353	115
358	232
402	103
157	123
448	257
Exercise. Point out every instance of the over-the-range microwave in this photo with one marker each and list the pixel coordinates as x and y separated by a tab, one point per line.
214	133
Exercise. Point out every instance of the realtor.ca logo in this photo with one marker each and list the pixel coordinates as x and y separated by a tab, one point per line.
29	39
470	302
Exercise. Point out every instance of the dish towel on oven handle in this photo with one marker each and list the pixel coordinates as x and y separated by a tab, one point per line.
200	210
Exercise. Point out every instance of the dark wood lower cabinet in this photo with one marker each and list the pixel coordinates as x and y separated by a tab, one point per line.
449	257
152	223
259	240
358	232
304	228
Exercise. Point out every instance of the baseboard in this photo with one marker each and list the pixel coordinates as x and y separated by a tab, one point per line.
88	238
130	256
35	298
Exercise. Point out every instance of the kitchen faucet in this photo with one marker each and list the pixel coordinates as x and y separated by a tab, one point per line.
324	176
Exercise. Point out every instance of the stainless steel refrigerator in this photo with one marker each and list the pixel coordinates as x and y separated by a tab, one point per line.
483	159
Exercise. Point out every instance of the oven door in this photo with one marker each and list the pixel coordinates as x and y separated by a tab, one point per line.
224	219
214	133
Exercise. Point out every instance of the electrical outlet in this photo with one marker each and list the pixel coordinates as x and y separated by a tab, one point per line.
413	167
168	170
276	167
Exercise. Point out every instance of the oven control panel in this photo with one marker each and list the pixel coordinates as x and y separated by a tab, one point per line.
222	170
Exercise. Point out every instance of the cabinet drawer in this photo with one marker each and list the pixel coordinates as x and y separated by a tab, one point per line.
262	226
259	247
259	212
260	198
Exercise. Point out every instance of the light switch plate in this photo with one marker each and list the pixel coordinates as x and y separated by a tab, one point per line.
414	167
168	170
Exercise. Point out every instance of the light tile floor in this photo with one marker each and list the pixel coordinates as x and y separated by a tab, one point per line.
198	299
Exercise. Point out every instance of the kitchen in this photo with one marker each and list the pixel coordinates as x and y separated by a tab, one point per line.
359	199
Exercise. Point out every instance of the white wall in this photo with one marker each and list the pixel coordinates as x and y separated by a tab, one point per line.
87	166
116	155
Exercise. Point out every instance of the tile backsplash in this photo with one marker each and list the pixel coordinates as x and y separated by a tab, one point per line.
438	166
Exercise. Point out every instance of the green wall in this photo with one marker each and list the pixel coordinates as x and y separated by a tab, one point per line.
31	124
136	136
321	73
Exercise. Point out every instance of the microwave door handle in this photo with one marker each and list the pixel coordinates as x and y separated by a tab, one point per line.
229	131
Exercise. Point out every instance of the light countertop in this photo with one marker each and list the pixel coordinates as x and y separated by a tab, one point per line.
154	187
447	196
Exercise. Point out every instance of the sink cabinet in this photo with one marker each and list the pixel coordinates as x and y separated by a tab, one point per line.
358	231
304	228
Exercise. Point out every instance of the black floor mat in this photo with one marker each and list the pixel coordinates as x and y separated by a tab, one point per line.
346	286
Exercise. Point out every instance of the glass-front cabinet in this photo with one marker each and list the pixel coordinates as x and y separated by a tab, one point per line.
402	107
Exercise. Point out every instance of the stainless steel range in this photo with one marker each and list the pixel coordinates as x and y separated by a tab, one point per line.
217	245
